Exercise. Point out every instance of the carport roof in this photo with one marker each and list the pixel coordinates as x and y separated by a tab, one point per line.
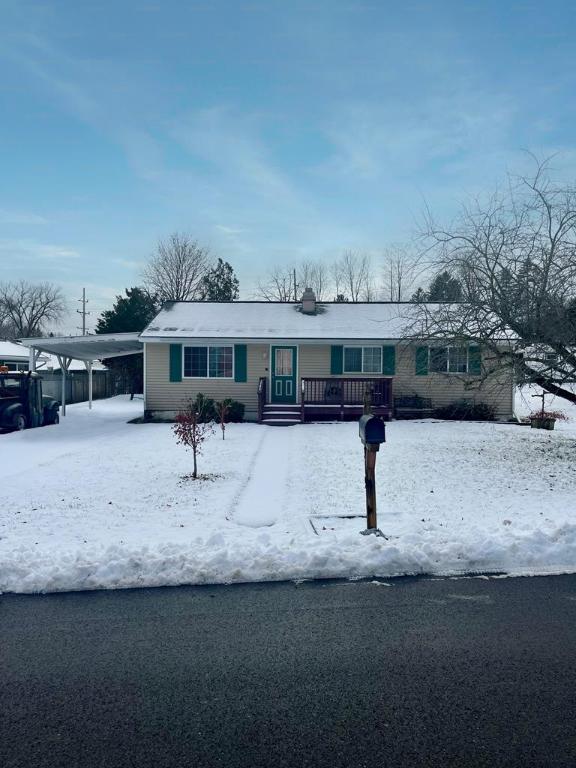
94	347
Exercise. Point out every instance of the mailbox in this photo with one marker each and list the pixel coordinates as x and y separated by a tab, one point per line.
372	431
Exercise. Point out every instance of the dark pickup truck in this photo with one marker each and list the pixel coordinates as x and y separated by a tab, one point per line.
21	402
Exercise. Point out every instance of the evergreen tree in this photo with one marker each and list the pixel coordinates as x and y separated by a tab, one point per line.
419	296
219	283
130	314
445	288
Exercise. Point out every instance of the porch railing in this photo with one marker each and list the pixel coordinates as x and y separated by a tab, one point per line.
345	392
261	396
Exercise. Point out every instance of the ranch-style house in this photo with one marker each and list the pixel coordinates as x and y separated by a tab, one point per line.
309	360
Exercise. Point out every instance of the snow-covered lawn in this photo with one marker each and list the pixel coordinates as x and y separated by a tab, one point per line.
96	502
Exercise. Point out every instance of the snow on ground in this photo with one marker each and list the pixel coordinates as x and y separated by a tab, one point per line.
96	502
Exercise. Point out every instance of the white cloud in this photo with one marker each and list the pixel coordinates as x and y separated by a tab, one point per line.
373	141
129	263
229	143
20	217
229	230
31	249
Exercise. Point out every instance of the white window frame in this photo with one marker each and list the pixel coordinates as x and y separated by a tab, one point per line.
362	372
447	370
207	347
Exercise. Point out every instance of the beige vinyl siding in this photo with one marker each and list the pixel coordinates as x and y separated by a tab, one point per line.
442	388
165	397
314	361
445	388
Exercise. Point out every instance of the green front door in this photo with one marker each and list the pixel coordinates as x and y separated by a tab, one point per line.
283	379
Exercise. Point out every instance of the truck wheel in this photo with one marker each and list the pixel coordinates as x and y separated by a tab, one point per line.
20	422
56	418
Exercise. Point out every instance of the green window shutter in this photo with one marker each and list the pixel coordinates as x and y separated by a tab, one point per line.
336	360
474	360
175	362
421	361
389	361
240	362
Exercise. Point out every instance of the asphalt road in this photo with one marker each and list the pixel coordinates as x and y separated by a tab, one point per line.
465	673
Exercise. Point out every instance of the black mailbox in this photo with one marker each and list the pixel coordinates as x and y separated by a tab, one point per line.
372	431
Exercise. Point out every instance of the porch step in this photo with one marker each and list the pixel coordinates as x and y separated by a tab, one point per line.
280	422
292	412
281	407
278	415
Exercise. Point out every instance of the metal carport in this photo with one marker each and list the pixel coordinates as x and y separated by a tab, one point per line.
84	348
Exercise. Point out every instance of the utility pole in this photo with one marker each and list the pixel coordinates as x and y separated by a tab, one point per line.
83	311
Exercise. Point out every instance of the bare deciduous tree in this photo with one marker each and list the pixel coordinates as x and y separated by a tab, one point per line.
278	285
26	308
315	275
6	326
176	270
352	276
515	258
348	279
288	283
398	271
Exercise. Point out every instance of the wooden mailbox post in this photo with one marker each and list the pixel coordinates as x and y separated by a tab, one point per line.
372	433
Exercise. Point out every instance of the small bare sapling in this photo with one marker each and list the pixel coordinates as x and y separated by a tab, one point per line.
222	410
191	430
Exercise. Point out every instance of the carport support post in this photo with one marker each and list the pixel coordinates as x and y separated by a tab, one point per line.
88	364
64	363
32	359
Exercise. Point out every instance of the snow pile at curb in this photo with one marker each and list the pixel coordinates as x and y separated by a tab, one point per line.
222	561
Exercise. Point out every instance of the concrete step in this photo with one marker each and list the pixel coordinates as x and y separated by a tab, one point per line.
280	416
280	422
281	412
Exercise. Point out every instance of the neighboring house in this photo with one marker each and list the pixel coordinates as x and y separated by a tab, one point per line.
15	357
75	366
291	362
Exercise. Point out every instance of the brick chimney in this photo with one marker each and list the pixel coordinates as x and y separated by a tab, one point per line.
309	302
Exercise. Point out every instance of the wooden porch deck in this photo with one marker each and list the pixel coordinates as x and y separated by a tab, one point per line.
334	398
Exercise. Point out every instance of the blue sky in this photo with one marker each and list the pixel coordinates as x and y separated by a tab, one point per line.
270	131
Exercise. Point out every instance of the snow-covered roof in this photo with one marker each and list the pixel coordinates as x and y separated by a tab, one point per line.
11	351
51	364
94	347
18	353
280	320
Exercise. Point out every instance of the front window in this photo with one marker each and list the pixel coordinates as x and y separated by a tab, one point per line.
208	362
449	359
220	359
457	359
362	359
